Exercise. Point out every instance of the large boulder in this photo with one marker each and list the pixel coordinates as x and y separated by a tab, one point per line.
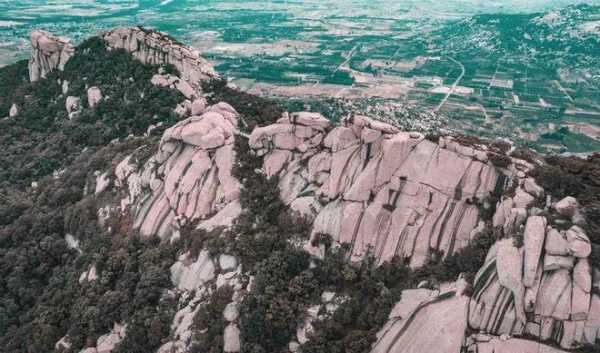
188	274
231	339
48	53
566	206
535	233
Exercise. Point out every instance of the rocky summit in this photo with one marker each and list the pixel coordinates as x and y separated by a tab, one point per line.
150	206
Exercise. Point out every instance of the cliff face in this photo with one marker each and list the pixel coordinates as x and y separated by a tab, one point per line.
188	179
153	47
48	52
377	188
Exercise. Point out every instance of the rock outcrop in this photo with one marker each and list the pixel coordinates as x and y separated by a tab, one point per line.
153	47
188	179
94	96
486	344
107	343
14	111
195	278
73	106
426	321
366	183
48	53
541	289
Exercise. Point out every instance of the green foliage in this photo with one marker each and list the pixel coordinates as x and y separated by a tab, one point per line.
580	178
255	111
209	322
577	177
11	77
40	297
42	138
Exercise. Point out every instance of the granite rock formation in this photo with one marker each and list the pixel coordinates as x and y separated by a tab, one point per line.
188	179
195	278
542	288
48	53
366	183
426	321
153	47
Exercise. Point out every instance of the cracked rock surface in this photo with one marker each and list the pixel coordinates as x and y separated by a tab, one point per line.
366	183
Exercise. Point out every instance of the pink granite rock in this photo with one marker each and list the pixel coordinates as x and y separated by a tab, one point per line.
399	194
566	206
48	53
502	212
509	264
94	96
579	243
189	178
532	188
535	232
555	295
556	243
432	325
554	262
198	106
522	199
153	47
314	120
582	286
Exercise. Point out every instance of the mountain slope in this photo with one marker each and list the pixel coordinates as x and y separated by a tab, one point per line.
147	209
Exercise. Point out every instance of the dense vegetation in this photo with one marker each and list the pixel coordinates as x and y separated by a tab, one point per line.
42	139
40	297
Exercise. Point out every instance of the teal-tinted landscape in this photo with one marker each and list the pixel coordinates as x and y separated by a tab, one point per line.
527	70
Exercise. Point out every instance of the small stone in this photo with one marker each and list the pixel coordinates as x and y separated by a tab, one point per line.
423	284
231	312
198	106
65	86
566	206
227	262
94	96
14	111
231	339
72	104
327	296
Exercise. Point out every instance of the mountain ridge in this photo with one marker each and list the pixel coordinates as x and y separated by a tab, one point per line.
217	173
